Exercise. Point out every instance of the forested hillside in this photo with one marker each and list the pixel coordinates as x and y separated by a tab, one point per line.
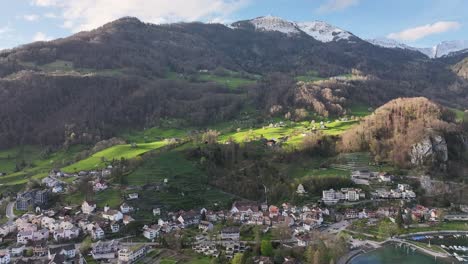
128	74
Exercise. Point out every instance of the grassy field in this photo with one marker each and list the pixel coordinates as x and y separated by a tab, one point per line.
153	134
38	164
99	159
186	187
231	82
459	114
293	130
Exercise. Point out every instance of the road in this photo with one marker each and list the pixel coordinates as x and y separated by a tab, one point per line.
9	210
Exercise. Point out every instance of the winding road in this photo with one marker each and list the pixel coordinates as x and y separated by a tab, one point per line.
10	214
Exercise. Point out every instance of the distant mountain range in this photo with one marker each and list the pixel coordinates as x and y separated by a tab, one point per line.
325	32
445	48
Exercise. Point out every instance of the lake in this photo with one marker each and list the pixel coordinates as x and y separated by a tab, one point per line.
391	254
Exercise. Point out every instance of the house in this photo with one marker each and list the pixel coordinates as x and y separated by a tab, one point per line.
7	228
300	190
17	251
62	253
273	211
244	207
113	215
42	234
50	182
132	196
151	232
127	219
230	233
23	237
57	188
114	227
99	186
125	208
205	226
88	207
40	248
66	234
4	257
188	218
97	233
131	255
362	174
105	249
156	211
385	177
303	240
331	196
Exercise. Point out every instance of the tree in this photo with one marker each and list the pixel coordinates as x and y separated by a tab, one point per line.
387	228
318	257
282	232
309	255
399	219
238	258
267	248
210	136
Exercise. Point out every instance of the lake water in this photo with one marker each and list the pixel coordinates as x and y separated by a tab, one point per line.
391	254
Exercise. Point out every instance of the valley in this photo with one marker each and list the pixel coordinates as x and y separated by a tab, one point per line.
261	141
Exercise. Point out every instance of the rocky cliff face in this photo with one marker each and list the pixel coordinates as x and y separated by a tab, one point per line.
431	151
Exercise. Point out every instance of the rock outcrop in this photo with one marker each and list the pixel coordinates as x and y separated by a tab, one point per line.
431	151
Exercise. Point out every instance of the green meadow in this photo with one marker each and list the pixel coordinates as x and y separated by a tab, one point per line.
100	159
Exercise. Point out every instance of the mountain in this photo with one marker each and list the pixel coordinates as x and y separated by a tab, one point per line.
324	32
445	48
130	75
319	30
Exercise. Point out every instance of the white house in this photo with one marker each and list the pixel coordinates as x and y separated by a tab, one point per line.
205	226
300	190
132	196
97	233
115	227
230	233
150	233
88	207
4	257
66	234
23	237
113	215
125	208
131	255
105	249
68	252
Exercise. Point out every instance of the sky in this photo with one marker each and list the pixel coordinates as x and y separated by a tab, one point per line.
420	23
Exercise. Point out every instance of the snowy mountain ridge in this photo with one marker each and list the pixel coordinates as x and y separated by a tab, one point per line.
442	49
319	30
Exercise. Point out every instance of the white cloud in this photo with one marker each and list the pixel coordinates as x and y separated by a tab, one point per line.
5	29
89	14
39	36
336	5
413	34
50	15
31	17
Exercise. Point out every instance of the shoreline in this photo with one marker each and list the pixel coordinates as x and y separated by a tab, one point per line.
402	239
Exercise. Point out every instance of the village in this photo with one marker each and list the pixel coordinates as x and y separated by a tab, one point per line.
56	235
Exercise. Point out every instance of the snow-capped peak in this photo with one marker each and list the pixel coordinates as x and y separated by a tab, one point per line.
323	32
446	47
271	23
439	50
